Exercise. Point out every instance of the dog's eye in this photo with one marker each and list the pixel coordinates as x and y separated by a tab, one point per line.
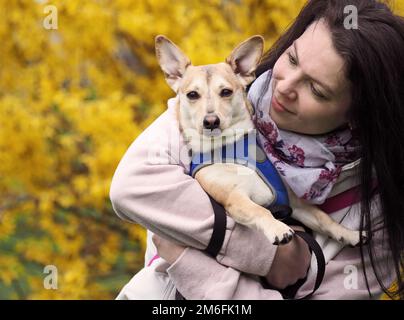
193	95
226	93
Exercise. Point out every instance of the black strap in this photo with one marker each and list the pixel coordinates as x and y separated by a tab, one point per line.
219	229
290	291
280	211
318	252
179	296
217	238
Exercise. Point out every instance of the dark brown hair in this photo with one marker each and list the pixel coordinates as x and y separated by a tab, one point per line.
374	61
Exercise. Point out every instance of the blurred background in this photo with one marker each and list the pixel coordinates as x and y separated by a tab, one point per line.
72	99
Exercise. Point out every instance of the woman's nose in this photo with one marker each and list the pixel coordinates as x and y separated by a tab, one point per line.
287	88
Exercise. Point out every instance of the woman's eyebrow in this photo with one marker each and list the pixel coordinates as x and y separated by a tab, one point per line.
326	87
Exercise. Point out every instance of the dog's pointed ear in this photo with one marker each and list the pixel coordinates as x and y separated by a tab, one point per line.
245	58
172	61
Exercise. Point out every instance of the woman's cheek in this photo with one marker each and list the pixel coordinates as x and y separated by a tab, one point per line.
312	117
279	67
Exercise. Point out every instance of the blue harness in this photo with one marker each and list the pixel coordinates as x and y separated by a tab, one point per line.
245	152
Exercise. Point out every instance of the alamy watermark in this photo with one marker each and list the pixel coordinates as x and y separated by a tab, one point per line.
236	146
50	22
51	280
351	280
351	20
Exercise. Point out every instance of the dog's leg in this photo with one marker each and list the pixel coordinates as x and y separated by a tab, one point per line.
317	220
244	194
244	211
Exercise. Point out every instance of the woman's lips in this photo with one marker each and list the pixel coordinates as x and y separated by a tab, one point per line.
279	107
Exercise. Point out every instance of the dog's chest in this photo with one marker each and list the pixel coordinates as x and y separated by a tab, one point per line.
229	177
241	164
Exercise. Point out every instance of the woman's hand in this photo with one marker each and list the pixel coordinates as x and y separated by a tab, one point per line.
166	249
290	264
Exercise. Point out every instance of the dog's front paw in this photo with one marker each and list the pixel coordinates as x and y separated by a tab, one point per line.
278	233
353	238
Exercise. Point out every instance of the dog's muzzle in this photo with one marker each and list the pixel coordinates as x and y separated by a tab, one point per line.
211	122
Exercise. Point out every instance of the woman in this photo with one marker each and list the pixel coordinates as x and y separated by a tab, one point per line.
340	90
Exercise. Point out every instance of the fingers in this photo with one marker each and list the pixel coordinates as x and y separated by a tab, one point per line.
156	240
298	228
166	249
161	243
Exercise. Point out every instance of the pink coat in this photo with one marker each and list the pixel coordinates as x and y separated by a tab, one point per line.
151	186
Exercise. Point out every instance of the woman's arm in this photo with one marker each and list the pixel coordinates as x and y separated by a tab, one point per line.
198	276
151	187
290	264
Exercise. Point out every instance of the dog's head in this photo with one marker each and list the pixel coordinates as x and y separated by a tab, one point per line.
211	96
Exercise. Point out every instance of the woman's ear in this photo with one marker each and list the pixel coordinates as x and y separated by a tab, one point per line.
245	58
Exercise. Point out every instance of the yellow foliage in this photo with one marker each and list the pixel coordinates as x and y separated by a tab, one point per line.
72	99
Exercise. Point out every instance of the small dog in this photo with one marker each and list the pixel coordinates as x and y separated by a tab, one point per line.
212	104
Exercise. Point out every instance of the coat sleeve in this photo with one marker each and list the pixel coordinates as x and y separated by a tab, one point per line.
199	277
151	186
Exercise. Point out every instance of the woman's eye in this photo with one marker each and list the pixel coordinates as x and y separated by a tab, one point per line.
292	60
317	93
226	93
193	95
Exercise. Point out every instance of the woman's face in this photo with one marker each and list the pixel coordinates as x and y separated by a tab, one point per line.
311	94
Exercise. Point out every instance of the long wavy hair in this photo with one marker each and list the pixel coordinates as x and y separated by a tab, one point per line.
374	58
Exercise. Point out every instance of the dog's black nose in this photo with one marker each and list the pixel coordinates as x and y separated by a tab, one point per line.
211	122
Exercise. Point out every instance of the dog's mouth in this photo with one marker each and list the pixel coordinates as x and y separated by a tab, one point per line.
212	133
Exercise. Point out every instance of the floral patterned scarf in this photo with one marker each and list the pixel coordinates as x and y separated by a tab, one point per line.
310	165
